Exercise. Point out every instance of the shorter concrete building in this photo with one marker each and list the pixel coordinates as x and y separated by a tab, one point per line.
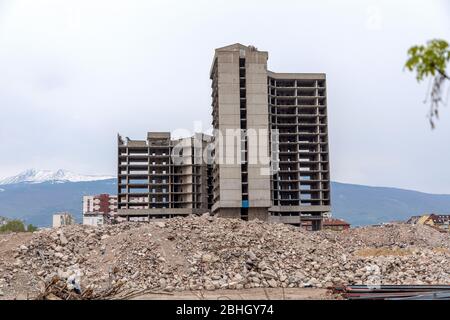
62	219
335	224
161	177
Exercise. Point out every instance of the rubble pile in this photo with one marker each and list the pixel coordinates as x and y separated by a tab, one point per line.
208	253
398	235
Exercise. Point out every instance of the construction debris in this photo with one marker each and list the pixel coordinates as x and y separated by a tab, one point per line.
60	289
205	253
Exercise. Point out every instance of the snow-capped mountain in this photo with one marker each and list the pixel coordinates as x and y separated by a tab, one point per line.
59	176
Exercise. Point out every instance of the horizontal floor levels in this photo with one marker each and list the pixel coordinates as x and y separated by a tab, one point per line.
157	213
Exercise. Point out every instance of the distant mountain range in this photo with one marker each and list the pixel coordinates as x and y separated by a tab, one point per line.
60	176
37	202
35	195
363	205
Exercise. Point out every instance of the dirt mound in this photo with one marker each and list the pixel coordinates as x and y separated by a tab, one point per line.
391	235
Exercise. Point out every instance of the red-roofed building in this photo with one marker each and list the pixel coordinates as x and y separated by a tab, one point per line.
441	221
335	224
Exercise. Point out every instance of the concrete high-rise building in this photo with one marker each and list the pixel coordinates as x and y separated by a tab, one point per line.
239	92
162	178
279	170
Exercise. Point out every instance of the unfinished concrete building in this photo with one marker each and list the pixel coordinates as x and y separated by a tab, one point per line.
245	95
162	178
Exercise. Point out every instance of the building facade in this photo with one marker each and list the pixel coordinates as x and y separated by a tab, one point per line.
94	219
271	157
335	224
99	209
162	178
438	221
102	203
62	219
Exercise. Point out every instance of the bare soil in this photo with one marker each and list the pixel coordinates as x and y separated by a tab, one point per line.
245	294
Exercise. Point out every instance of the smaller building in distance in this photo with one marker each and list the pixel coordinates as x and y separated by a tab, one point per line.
335	224
440	222
99	209
94	219
62	219
418	219
3	221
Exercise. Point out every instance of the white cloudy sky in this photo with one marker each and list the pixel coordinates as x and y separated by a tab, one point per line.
74	73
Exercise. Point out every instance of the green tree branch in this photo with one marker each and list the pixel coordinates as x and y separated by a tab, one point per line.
431	60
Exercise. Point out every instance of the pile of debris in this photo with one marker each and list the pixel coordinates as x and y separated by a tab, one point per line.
69	289
392	235
208	253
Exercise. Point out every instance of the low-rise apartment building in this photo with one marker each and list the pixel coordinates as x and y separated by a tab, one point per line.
99	209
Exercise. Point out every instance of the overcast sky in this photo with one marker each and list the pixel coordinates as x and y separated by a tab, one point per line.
75	73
